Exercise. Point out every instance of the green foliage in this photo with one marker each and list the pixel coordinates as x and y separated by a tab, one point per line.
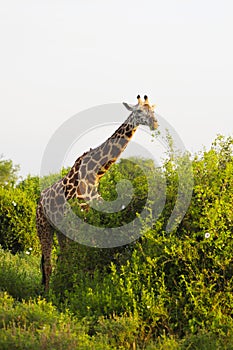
138	174
38	325
20	274
208	341
211	207
31	187
168	290
48	180
146	182
120	331
177	283
8	172
17	220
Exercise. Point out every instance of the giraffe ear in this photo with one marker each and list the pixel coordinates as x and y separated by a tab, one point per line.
129	107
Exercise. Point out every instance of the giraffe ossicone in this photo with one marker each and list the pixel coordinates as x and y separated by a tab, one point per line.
141	105
82	181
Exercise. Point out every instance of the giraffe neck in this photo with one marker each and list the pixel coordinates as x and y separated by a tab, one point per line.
83	178
119	139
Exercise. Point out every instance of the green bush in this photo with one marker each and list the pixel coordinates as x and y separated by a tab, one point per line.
207	341
37	325
17	220
177	283
120	332
31	187
20	274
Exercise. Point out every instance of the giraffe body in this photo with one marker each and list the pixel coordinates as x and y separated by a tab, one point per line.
82	181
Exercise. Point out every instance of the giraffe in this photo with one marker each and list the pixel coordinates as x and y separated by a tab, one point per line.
81	182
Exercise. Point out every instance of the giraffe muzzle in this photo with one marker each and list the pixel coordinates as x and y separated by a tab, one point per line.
155	125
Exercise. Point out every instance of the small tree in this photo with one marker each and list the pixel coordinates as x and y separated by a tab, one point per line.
8	172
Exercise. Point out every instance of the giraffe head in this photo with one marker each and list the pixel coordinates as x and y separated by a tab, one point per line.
142	113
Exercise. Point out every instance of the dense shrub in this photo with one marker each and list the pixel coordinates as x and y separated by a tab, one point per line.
140	173
20	274
31	187
17	213
17	220
177	283
37	325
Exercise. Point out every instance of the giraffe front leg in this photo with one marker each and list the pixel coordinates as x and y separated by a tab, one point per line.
45	234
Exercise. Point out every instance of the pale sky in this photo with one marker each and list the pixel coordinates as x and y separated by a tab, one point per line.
60	57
